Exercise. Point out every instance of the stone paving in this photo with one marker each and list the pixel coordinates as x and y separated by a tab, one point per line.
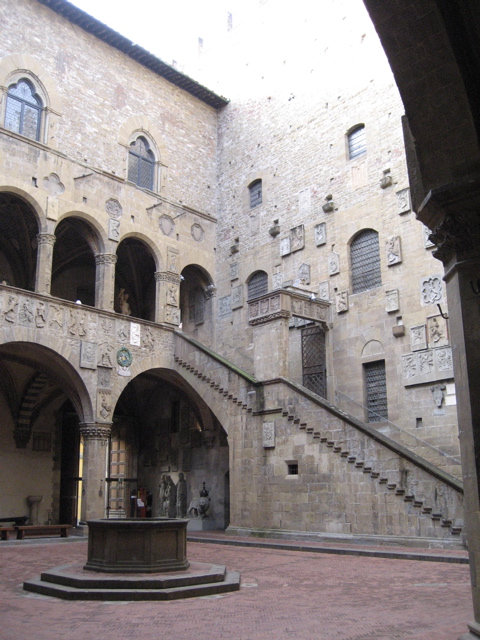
285	594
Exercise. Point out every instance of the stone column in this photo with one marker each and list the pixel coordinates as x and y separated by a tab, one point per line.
43	276
105	281
167	306
453	212
95	437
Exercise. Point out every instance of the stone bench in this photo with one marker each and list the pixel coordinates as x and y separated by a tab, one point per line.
5	532
42	530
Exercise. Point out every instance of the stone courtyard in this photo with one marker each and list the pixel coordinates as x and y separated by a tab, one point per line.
285	593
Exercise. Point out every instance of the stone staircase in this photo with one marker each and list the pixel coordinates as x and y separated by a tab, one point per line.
426	490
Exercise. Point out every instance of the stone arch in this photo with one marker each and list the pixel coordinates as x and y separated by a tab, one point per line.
372	348
18	65
31	199
144	239
73	265
57	363
100	242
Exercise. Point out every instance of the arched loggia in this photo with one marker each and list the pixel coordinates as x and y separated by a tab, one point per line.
73	268
135	280
43	402
18	242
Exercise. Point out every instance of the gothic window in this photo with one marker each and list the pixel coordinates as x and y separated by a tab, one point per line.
141	164
258	285
365	261
23	112
255	191
376	391
357	144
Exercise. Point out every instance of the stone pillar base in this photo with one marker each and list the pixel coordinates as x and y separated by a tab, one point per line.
201	524
474	633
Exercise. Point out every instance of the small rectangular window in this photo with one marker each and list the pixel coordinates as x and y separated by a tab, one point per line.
292	468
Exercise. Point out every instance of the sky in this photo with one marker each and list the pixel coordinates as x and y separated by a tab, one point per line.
169	30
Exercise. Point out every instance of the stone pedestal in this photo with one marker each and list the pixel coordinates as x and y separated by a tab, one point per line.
201	524
137	545
33	502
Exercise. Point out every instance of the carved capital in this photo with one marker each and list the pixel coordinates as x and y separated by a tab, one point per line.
162	276
453	214
95	430
105	258
46	238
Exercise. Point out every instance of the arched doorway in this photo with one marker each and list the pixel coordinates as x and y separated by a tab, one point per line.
196	294
162	429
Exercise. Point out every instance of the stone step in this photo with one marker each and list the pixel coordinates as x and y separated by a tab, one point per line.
71	585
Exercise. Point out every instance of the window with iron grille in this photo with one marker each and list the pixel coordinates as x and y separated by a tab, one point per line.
314	367
258	285
23	112
141	164
357	144
365	261
376	391
255	190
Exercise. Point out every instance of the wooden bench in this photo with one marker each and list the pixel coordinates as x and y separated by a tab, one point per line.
5	532
42	530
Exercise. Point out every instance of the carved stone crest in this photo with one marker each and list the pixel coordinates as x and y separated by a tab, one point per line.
418	337
167	225
341	301
88	355
268	433
285	246
237	297
403	201
394	251
113	208
333	264
431	290
320	234
297	238
392	302
197	232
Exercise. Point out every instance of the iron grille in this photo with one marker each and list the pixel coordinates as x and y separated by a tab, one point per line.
376	390
258	285
365	258
255	193
314	360
357	144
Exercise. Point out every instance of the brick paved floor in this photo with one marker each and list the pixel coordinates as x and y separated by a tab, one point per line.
285	594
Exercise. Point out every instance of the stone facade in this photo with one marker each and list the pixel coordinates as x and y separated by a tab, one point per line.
147	326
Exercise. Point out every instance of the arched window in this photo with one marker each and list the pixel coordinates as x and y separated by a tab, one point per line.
23	112
357	144
257	285
141	164
255	191
365	261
